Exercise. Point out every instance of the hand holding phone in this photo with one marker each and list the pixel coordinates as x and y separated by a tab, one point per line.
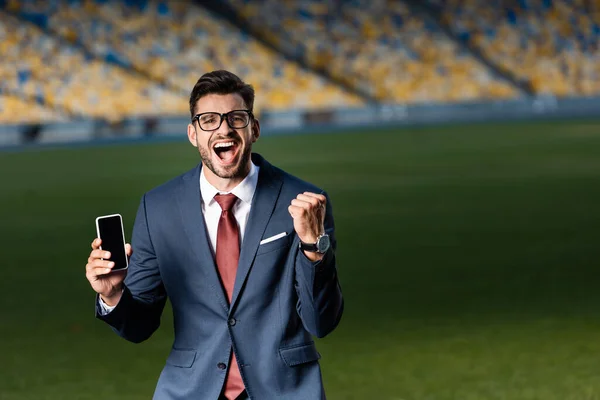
105	275
110	231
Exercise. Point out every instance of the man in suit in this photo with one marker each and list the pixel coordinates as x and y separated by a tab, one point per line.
246	254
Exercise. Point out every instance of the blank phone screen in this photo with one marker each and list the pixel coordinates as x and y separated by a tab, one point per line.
110	230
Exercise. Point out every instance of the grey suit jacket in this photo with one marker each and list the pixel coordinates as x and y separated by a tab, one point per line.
280	298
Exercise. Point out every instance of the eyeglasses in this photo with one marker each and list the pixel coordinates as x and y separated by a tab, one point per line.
211	121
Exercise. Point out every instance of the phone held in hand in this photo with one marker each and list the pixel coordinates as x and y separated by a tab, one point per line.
110	230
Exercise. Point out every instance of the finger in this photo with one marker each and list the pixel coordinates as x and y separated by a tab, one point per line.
93	270
95	274
101	264
321	197
128	249
100	254
302	204
96	243
296	211
309	199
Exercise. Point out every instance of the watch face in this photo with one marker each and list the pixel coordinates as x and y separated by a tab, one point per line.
323	244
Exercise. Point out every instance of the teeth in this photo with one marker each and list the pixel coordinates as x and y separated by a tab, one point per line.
224	144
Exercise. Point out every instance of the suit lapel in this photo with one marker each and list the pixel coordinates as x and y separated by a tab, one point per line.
263	204
190	209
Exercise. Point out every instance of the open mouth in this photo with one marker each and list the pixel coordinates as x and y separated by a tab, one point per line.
226	151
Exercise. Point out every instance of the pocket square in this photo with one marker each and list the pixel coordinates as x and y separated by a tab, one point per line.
270	239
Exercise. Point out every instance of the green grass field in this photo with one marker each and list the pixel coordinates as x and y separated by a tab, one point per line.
469	258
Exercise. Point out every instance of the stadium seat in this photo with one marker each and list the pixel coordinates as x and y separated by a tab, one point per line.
61	76
552	45
174	43
15	110
382	47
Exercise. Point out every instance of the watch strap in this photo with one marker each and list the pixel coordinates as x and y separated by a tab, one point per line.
308	246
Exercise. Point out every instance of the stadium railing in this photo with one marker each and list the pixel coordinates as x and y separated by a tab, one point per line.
333	120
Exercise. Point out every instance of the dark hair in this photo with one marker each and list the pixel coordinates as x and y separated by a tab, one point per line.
221	82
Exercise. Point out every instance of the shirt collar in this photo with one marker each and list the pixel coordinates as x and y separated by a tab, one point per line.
244	191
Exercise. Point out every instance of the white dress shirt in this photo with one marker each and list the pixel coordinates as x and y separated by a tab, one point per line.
212	211
241	209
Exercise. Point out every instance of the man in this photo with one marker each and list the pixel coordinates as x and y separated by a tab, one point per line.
243	314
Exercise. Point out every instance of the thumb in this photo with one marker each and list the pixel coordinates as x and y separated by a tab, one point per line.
128	249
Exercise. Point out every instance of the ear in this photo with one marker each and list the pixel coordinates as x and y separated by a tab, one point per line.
191	133
255	130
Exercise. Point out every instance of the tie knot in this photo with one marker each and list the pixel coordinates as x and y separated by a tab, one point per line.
226	201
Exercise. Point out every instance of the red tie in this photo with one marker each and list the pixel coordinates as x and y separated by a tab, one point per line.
228	255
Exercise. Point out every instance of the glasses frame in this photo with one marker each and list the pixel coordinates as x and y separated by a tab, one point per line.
223	117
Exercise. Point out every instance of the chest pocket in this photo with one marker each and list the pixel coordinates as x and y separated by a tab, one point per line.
283	242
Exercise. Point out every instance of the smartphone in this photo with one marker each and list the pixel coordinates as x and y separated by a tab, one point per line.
110	230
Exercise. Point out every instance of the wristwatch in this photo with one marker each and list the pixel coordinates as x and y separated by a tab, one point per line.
321	246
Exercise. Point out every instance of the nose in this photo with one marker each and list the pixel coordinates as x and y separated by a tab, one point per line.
224	129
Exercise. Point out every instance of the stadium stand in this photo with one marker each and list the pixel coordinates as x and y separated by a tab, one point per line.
60	76
15	110
174	42
112	59
383	47
551	44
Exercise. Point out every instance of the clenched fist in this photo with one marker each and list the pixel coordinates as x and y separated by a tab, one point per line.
308	212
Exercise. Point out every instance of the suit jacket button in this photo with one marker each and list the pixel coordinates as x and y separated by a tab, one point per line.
232	321
221	366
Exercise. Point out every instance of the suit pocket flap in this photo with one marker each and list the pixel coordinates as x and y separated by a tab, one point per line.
299	354
274	245
181	358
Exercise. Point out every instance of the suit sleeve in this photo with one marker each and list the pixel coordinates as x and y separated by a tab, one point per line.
320	302
137	315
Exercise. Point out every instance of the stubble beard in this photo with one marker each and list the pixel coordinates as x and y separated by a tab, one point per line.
236	171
